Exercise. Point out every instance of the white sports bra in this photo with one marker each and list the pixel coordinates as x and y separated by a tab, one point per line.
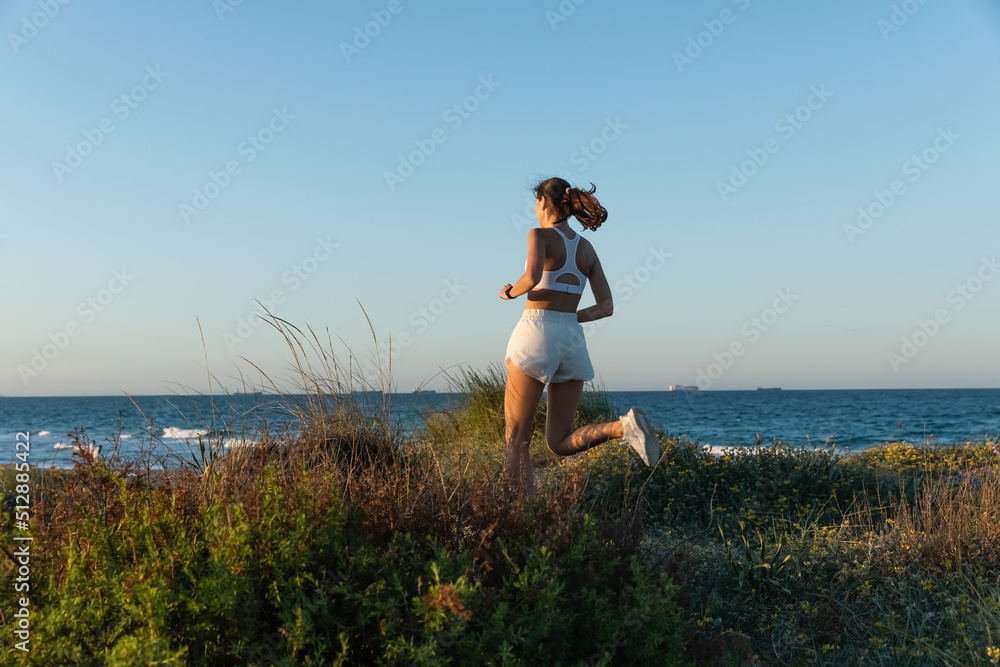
569	268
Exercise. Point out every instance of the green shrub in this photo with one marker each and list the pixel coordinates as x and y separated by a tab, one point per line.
347	543
305	583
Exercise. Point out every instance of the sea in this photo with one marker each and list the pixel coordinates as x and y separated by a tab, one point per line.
167	428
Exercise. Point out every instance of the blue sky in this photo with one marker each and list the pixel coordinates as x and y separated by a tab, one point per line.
165	164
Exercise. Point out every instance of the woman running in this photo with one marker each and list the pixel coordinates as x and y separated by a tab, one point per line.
548	347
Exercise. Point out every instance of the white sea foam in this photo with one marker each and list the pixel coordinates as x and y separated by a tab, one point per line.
76	448
183	433
238	442
43	433
125	436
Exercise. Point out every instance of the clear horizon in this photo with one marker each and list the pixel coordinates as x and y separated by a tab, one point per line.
799	196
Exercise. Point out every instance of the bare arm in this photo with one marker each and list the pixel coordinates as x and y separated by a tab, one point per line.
605	306
533	272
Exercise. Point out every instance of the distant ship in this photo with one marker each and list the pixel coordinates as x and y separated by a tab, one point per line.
683	387
424	391
759	388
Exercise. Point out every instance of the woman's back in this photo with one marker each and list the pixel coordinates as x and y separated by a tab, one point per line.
564	277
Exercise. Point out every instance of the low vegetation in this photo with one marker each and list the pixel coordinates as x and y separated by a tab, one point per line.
352	542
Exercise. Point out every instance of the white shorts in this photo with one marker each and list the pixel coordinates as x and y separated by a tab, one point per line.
550	347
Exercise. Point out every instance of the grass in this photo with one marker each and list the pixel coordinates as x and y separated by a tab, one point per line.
471	432
348	542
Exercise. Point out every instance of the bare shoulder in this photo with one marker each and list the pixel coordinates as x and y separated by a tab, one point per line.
536	235
586	255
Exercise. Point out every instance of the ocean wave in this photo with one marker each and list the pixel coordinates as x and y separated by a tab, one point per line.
238	442
43	433
174	433
75	448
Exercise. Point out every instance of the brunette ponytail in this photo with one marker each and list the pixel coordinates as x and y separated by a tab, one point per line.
582	204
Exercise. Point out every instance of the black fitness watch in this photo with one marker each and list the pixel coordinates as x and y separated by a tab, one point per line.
507	292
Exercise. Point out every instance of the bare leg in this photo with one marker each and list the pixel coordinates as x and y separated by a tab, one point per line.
520	405
564	397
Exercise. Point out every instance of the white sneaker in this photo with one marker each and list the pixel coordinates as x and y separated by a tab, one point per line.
639	434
